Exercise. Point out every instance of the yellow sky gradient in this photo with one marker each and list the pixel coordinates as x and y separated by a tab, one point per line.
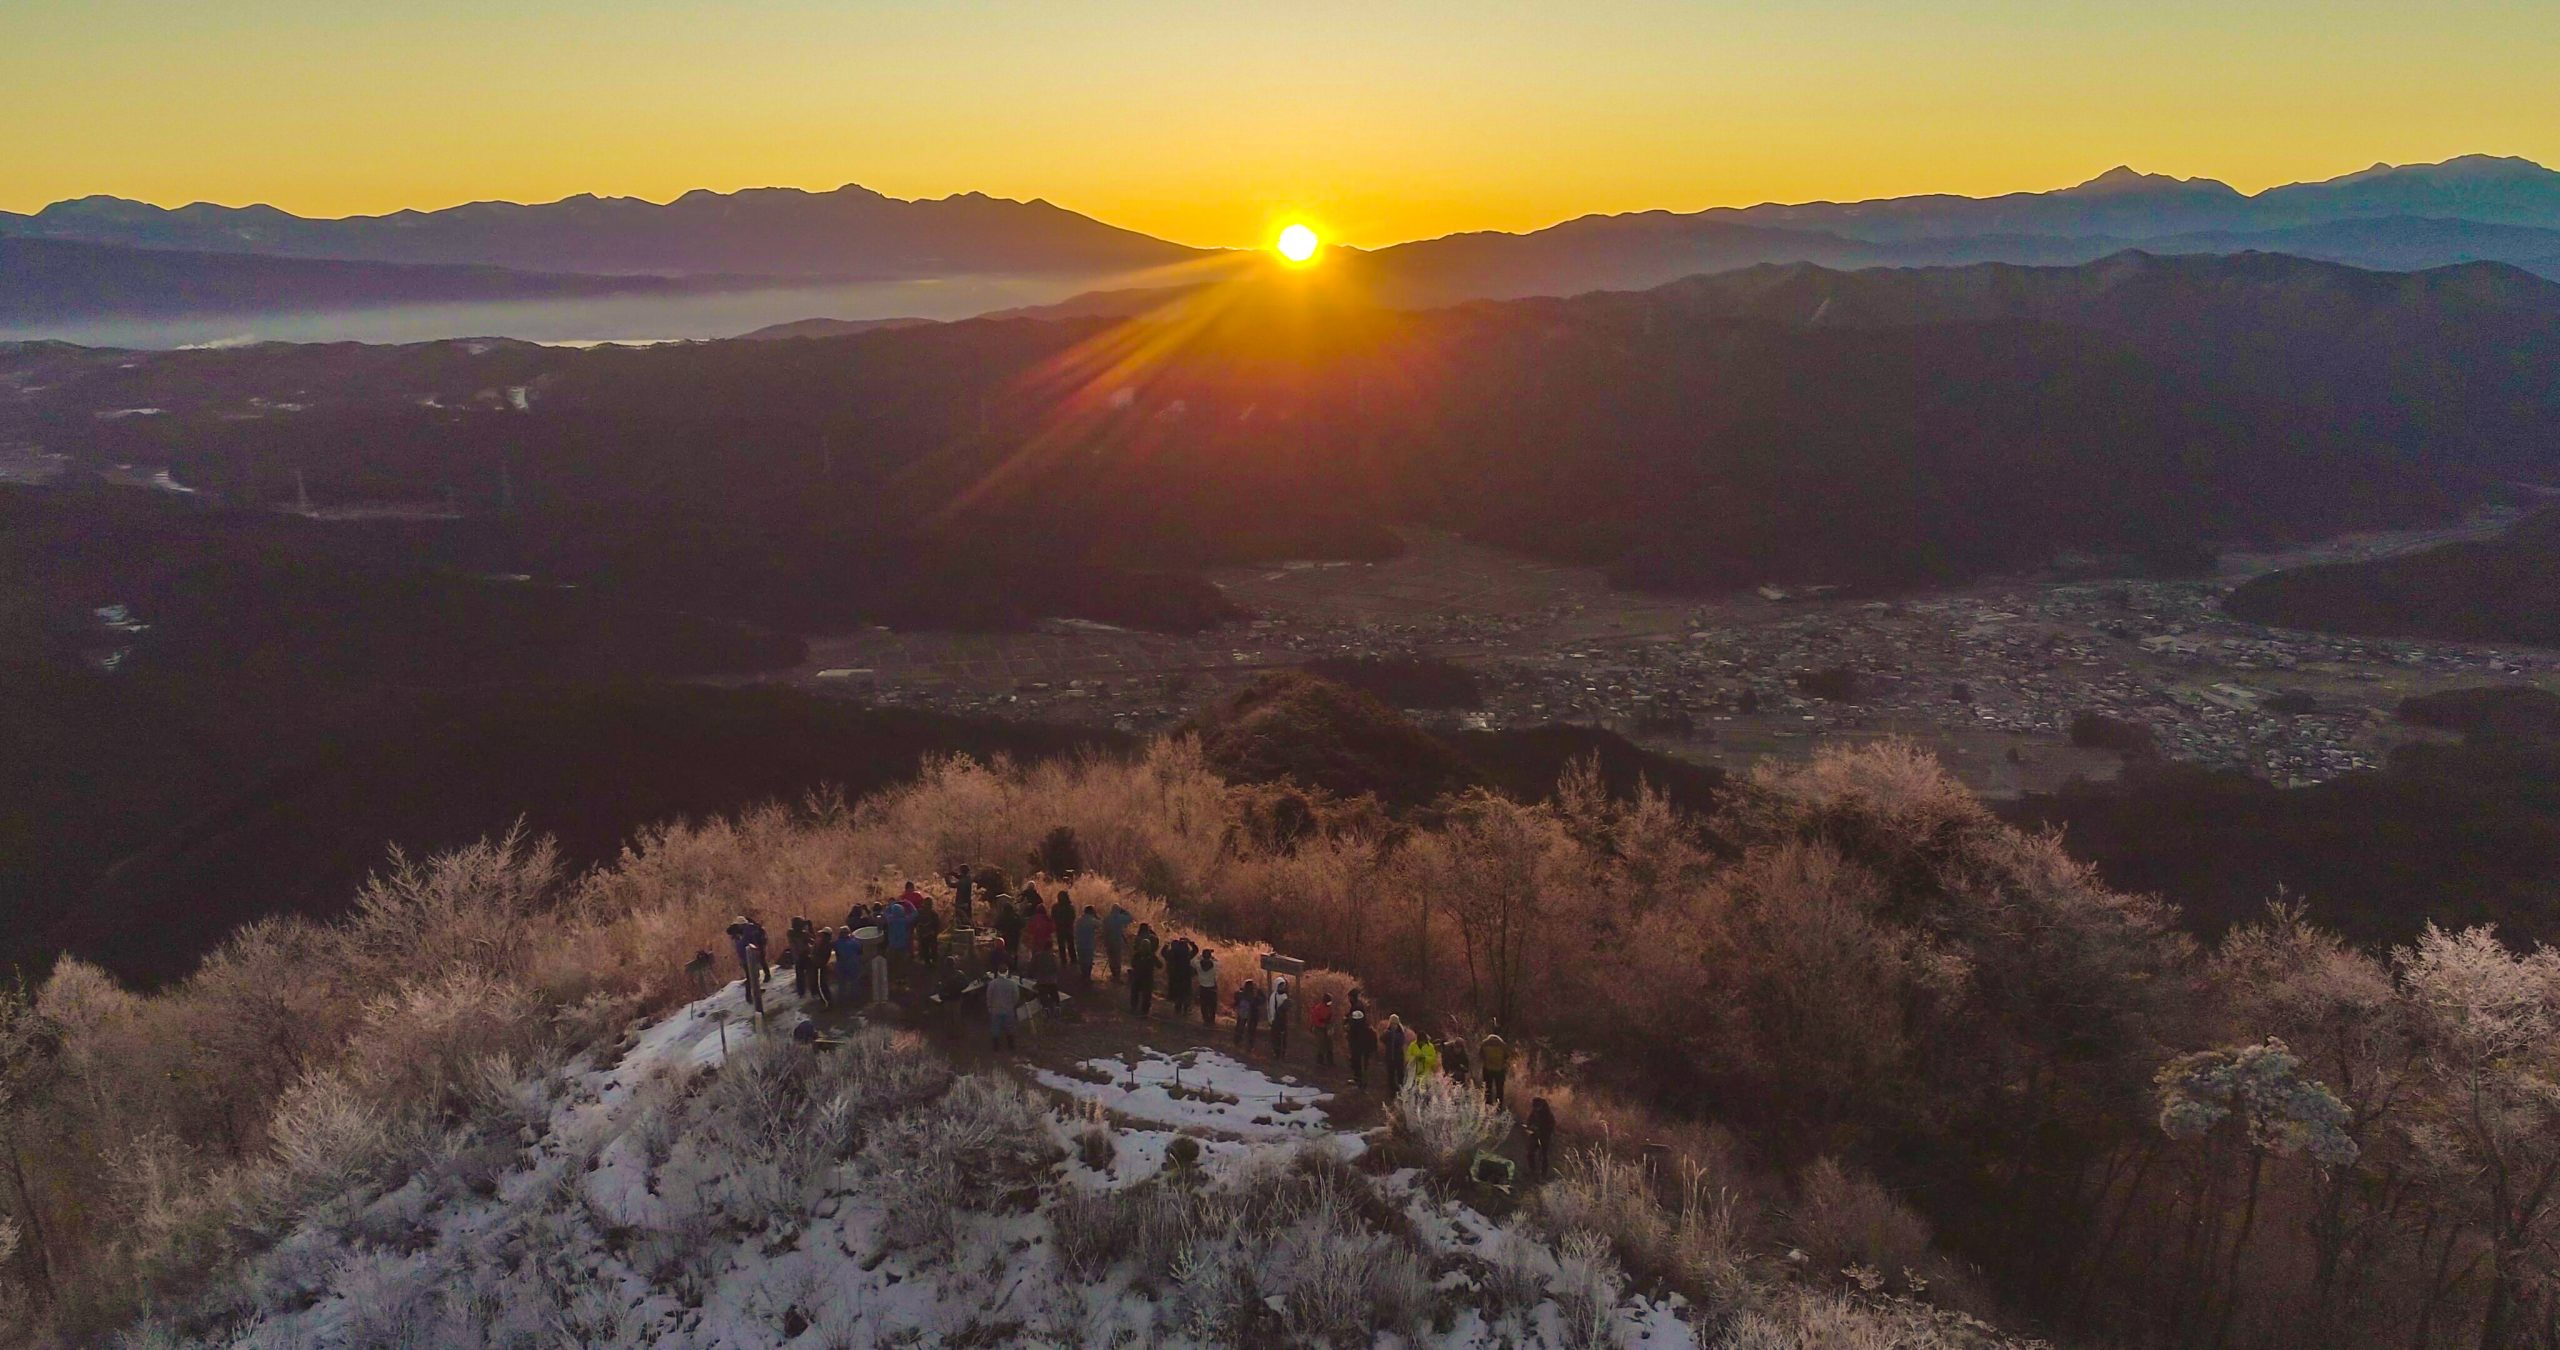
1203	123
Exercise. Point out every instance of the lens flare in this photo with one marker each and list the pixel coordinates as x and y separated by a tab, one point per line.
1298	243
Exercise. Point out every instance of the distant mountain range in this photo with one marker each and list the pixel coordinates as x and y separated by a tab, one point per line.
2472	209
851	233
2475	208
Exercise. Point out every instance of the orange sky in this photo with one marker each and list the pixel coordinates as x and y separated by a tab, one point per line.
1204	123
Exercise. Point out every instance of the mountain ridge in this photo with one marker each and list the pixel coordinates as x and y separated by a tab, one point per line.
851	232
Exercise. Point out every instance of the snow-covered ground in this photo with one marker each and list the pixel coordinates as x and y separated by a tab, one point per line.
1201	1089
673	1191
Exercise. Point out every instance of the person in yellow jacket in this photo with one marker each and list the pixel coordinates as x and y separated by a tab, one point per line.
1422	1057
1493	1057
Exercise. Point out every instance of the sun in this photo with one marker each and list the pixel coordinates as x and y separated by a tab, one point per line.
1298	243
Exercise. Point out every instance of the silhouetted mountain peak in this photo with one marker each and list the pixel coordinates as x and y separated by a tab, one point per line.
2124	179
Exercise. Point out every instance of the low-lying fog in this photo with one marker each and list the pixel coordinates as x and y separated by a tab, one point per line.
621	318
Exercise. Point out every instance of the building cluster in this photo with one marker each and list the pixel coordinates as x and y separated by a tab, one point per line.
2019	659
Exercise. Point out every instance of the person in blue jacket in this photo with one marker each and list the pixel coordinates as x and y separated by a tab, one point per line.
900	919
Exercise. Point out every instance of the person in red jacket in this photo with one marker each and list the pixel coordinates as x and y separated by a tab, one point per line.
1320	1029
1041	933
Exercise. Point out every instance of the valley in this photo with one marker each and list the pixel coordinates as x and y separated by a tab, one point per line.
1990	676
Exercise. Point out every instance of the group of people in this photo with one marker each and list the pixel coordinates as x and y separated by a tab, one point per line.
832	964
1039	941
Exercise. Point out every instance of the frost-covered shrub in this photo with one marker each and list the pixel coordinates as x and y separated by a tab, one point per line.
1291	1246
1697	1243
1515	1279
1448	1120
389	1301
329	1137
1588	1286
1845	1220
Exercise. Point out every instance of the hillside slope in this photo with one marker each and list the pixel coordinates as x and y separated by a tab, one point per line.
2504	590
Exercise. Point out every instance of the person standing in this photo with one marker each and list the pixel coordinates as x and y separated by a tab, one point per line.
849	967
1279	1016
1494	1059
1541	1132
1320	1029
900	919
1204	987
796	951
1042	966
1248	1013
1181	961
964	896
1004	1003
1422	1057
1088	938
1008	922
823	954
741	941
1142	972
1039	934
929	935
1394	1042
1062	919
1361	1039
1115	937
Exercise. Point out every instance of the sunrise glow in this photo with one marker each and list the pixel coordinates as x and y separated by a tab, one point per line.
1298	243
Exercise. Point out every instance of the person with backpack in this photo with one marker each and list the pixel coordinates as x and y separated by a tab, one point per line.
1453	1059
1360	1038
1320	1029
1062	923
1248	1013
1493	1058
1142	972
1204	987
741	939
1393	1043
1115	937
1088	940
1181	961
1278	1014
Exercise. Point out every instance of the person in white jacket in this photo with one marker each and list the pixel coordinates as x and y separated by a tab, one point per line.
1204	987
1282	996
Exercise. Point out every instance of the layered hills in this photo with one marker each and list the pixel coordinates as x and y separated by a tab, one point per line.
2476	208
